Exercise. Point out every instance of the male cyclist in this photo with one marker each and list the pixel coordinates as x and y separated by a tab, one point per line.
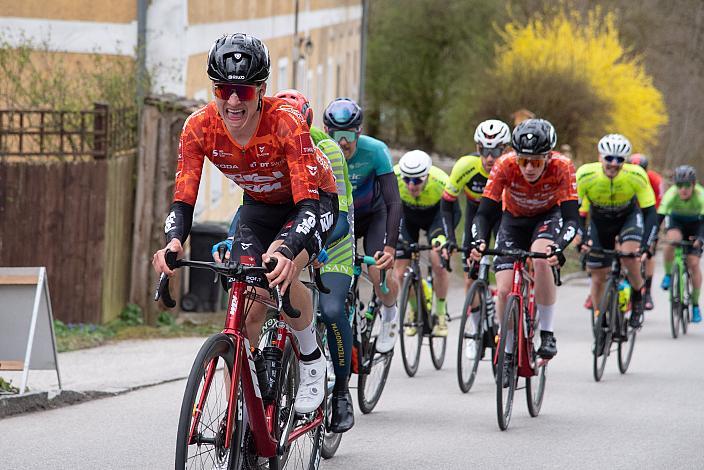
683	210
421	186
471	172
655	183
377	204
537	186
621	205
290	205
337	271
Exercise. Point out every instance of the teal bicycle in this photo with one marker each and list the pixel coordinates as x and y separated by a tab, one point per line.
680	289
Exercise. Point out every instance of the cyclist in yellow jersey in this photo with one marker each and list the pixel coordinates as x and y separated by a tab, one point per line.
471	172
421	186
621	205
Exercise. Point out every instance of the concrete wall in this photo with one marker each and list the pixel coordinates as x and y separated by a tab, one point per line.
179	35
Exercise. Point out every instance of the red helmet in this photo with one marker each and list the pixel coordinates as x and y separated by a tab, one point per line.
639	159
298	101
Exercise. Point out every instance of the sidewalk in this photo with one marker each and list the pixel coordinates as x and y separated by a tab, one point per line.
106	370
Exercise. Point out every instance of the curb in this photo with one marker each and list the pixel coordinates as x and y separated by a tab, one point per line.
13	405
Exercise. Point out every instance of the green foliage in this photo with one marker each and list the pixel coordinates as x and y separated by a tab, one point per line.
131	315
165	319
7	387
424	59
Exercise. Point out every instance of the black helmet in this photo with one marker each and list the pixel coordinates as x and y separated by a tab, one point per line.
239	58
343	113
534	137
639	159
685	174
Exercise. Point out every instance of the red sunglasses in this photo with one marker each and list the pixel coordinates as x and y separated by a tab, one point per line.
243	92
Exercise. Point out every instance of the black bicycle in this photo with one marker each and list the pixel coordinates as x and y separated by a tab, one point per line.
680	289
478	329
416	312
611	323
371	365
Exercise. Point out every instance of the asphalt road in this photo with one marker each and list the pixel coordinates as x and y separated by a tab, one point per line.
652	417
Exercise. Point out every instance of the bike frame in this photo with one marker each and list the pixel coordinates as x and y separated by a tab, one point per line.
262	417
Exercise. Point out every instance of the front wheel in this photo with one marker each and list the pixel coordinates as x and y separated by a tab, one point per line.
438	346
374	367
470	347
504	395
686	302
202	426
625	345
411	325
603	328
535	386
675	302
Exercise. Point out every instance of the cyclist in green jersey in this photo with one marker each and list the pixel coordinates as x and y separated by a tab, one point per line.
471	172
682	209
621	205
421	186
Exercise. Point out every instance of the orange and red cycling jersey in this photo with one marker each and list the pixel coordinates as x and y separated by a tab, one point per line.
279	164
656	183
523	199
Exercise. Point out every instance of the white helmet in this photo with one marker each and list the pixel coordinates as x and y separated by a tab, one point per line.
492	133
415	164
614	144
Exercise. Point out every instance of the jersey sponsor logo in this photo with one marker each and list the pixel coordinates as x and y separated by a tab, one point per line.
261	151
221	153
261	188
313	191
235	77
326	221
170	222
227	166
257	183
307	224
312	169
306	144
245	246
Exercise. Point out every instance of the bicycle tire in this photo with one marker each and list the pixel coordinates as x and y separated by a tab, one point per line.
675	305
438	348
466	374
293	457
379	363
603	333
408	345
331	440
503	410
216	347
625	348
535	386
686	301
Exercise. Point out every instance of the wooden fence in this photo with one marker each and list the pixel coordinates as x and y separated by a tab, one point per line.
67	203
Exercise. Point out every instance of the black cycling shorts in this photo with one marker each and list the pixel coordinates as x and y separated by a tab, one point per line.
428	220
521	232
603	233
688	229
372	228
260	224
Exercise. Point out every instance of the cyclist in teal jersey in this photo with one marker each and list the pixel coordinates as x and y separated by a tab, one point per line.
377	204
337	271
682	209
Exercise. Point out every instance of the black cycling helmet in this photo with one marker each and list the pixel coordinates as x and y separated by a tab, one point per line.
639	159
534	137
239	59
343	113
685	174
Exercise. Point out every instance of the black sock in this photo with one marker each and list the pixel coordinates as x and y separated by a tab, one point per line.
340	384
312	356
544	333
648	282
636	294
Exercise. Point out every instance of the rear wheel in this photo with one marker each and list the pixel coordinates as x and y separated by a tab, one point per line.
411	325
603	328
535	386
686	301
675	302
374	367
625	346
504	395
470	347
203	445
438	346
331	440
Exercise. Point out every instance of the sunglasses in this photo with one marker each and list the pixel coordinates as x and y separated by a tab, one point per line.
415	180
684	185
495	152
225	90
535	160
614	159
349	136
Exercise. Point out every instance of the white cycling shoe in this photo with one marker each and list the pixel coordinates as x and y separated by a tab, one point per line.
386	340
311	388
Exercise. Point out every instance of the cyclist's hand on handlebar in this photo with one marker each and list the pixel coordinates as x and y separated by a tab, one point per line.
385	259
557	257
159	258
698	243
438	243
478	247
284	272
585	247
447	250
227	244
321	259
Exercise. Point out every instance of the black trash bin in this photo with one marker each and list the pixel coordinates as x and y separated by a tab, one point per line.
203	293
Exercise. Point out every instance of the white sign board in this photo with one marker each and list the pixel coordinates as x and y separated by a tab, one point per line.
27	338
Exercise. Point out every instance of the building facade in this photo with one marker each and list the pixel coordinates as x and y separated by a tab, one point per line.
315	46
